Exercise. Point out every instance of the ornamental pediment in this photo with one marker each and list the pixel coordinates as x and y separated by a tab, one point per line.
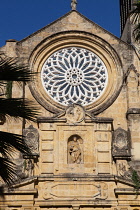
73	115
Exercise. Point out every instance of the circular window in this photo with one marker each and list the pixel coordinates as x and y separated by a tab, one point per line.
75	68
74	75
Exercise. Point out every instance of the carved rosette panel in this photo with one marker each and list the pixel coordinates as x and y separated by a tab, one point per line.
32	139
75	190
121	144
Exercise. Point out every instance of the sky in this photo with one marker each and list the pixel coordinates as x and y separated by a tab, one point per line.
20	18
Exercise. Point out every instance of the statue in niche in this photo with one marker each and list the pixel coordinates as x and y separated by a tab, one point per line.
75	149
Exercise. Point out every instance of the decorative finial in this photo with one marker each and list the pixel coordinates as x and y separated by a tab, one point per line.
73	4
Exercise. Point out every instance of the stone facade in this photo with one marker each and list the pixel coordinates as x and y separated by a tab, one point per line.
83	156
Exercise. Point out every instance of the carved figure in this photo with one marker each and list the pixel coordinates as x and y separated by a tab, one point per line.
29	167
73	4
74	150
78	112
75	114
122	169
32	139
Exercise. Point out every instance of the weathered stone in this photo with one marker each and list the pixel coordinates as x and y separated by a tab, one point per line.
32	139
121	144
77	163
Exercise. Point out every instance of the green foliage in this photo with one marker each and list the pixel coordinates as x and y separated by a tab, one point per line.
136	180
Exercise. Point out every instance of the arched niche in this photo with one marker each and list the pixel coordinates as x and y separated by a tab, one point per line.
75	149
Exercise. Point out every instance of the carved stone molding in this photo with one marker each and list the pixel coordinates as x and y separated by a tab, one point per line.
75	190
75	207
133	113
132	67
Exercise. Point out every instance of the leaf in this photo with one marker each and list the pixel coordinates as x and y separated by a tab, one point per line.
10	70
7	170
18	108
10	143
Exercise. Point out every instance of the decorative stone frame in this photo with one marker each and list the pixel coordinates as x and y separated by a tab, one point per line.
77	39
121	144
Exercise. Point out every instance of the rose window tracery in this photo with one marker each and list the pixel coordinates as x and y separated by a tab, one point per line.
74	75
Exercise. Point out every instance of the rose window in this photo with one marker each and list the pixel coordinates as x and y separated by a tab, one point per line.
74	75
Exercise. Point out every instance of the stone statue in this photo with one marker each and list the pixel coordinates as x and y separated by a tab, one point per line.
29	166
74	151
73	4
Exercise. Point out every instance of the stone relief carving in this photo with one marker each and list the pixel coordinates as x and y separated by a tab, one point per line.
28	167
75	114
75	190
32	139
25	163
75	153
121	143
24	168
122	167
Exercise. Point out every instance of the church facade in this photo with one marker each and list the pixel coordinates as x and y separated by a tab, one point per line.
86	141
